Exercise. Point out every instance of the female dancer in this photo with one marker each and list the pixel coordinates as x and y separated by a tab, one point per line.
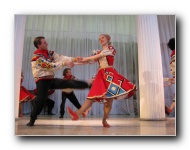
108	84
25	95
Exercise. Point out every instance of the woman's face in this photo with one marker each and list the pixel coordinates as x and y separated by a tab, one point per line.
103	40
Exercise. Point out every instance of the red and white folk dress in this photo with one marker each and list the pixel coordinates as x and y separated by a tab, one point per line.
25	95
108	83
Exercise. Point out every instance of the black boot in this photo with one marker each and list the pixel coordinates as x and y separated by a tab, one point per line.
61	116
31	123
50	113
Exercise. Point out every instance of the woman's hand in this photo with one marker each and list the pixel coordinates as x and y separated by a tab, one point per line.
77	59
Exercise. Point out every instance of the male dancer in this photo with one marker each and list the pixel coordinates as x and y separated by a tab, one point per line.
44	63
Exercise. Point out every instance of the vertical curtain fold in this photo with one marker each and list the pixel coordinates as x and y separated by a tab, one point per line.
18	53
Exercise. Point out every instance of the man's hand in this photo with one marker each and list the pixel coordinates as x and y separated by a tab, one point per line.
70	64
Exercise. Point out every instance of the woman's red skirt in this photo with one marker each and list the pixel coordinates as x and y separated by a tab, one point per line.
109	84
25	95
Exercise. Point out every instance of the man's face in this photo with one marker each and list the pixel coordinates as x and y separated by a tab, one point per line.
43	45
69	73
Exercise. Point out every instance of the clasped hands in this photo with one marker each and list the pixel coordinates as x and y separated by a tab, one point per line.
82	60
70	63
90	59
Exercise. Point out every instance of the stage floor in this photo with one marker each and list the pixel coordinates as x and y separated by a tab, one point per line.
121	125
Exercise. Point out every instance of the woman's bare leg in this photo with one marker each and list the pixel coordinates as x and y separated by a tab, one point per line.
20	109
107	109
85	113
173	103
86	106
172	106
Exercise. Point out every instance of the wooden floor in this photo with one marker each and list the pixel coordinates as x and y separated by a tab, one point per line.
121	125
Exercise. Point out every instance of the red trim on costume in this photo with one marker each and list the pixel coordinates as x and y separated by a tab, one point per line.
25	95
47	54
68	77
43	79
50	92
35	58
112	48
173	53
110	59
42	52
